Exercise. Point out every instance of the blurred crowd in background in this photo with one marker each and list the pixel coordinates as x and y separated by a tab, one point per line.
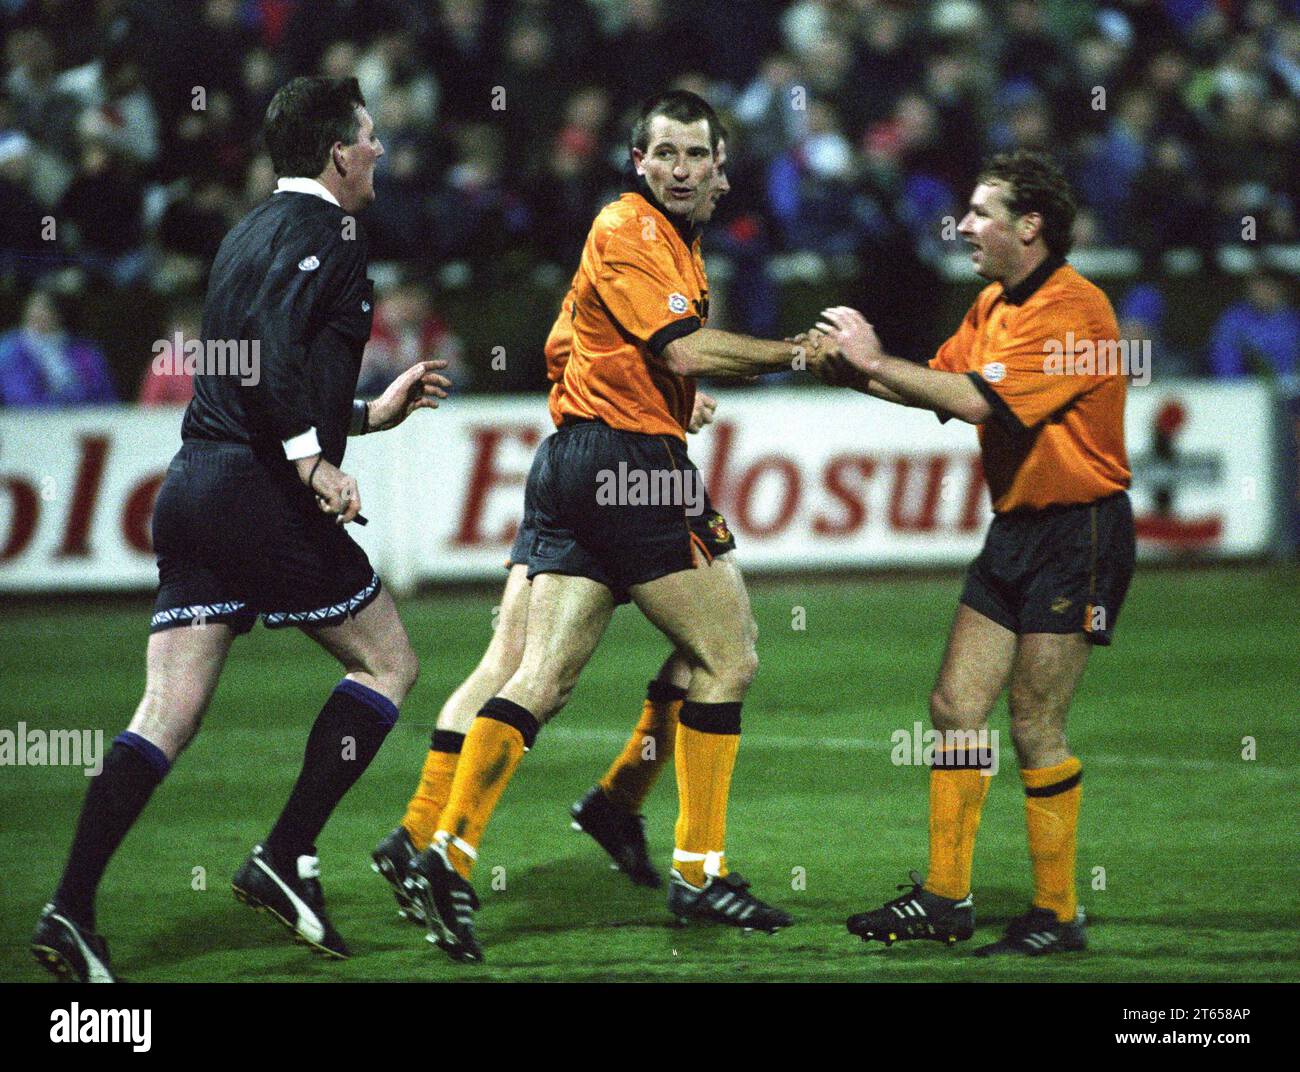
129	145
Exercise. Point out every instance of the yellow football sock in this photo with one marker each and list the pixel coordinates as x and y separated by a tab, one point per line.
1052	796
496	742
956	800
421	818
633	774
708	739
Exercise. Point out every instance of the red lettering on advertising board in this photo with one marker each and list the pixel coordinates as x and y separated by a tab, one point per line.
138	514
22	523
839	470
792	486
485	478
716	479
973	511
922	518
90	471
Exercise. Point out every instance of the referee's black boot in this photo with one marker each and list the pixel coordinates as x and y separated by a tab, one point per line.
292	896
69	951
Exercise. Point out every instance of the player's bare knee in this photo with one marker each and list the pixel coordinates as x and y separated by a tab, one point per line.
543	701
1035	704
504	654
747	665
734	668
949	711
1036	735
556	702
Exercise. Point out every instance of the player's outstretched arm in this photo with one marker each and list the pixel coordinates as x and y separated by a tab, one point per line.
711	352
419	387
909	384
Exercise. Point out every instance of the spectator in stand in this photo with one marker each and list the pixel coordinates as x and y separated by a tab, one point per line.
1167	205
810	192
194	225
763	107
42	365
28	247
462	49
476	214
1117	159
165	381
535	89
31	66
573	177
407	330
1259	335
1141	315
117	109
1280	131
105	206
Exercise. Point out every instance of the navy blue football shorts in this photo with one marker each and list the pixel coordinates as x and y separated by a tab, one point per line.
236	538
621	508
1065	569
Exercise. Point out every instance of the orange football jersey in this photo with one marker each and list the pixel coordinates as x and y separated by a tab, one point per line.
639	286
1037	353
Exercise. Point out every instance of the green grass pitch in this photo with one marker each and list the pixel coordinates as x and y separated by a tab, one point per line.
1197	843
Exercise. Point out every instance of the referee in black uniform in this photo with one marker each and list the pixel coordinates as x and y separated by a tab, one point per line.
249	522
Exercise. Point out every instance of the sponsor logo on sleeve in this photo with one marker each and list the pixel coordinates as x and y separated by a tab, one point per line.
994	372
309	264
677	303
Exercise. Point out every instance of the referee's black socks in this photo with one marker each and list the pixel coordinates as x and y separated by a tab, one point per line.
117	795
346	737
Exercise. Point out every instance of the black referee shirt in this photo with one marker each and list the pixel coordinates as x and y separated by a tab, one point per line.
285	278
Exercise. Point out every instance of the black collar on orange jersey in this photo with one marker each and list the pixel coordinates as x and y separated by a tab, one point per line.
1024	290
689	230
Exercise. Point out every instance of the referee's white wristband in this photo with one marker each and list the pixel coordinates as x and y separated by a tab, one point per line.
302	446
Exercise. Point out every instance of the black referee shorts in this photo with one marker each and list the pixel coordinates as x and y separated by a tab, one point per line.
1065	569
586	500
235	539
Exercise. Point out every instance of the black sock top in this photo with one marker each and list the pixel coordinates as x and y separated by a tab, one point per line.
711	717
664	692
512	714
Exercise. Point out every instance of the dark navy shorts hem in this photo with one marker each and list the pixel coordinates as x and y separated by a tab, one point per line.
1062	570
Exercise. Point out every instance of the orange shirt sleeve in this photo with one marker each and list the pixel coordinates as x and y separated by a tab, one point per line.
644	290
1032	370
559	343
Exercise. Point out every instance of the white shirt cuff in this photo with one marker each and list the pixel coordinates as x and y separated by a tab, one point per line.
302	446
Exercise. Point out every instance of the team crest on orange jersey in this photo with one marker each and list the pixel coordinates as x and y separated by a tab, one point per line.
718	526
